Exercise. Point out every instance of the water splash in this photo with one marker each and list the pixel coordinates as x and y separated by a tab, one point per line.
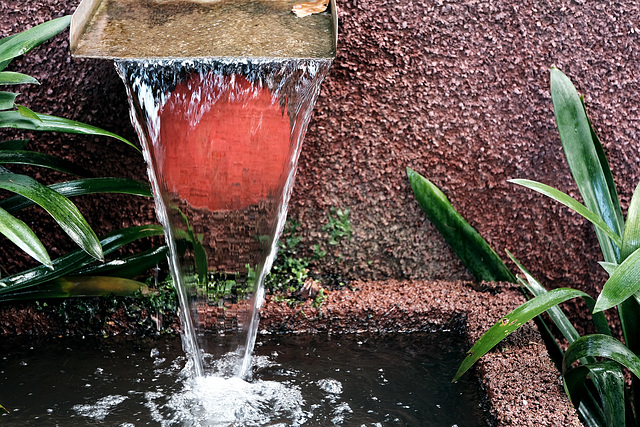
221	139
215	401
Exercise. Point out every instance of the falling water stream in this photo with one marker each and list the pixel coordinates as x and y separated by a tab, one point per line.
222	139
220	94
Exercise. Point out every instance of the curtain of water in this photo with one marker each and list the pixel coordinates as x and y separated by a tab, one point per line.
221	140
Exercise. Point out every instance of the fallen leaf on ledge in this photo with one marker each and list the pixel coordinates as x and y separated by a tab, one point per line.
305	9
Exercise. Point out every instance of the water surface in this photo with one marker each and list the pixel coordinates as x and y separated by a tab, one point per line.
394	380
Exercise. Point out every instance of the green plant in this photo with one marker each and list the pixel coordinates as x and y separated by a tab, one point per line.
338	225
296	274
319	299
593	366
65	276
20	117
150	311
290	270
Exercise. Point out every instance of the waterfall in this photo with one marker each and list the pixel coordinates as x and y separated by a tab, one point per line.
221	138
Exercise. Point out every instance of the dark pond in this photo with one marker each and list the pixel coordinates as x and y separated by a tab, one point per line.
391	380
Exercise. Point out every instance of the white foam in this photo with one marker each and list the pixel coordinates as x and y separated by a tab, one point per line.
330	385
217	401
99	410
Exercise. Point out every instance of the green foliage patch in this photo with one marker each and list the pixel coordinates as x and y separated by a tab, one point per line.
593	366
83	272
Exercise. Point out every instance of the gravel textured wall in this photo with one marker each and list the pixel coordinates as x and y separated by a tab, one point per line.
457	90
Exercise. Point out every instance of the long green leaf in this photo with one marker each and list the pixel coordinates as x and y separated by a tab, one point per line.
609	381
21	43
557	316
79	286
14	144
606	170
75	260
513	321
604	346
13	78
571	203
631	237
13	119
7	100
84	187
128	267
624	282
59	207
583	159
43	160
20	234
473	250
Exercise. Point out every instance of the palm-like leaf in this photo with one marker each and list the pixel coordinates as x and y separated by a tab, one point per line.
21	43
20	234
75	260
592	174
59	207
620	247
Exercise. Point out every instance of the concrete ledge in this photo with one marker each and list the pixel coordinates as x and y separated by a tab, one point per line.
522	386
